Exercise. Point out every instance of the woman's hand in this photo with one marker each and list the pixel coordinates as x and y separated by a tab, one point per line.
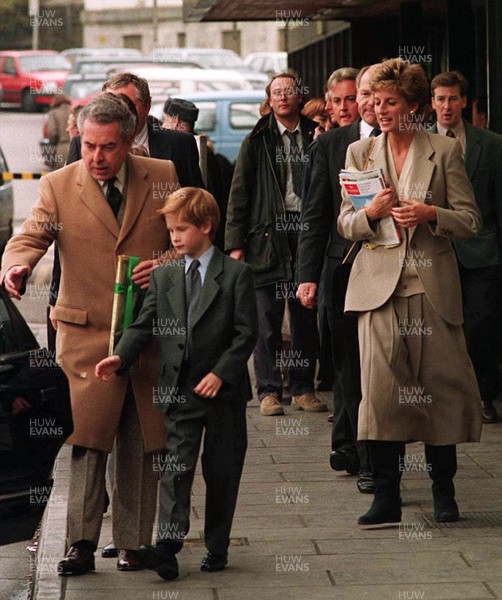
413	213
381	205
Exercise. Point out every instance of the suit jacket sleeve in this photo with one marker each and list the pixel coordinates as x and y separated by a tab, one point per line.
240	198
232	362
37	233
353	225
137	335
462	218
75	150
317	217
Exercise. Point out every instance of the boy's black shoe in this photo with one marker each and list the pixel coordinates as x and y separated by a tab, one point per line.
109	551
156	558
213	562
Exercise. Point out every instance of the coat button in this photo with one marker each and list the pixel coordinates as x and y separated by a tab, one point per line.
181	346
176	369
413	245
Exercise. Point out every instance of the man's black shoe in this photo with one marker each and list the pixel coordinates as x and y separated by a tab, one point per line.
156	558
343	461
213	562
489	412
365	483
446	511
109	551
380	514
78	560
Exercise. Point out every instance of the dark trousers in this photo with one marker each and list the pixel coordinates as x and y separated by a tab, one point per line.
481	295
345	352
325	373
268	356
224	447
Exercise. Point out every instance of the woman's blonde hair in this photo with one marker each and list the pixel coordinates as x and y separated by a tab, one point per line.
409	80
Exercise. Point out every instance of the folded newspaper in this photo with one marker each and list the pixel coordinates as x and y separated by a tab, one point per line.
361	187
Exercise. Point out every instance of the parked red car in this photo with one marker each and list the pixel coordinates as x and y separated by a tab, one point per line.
32	78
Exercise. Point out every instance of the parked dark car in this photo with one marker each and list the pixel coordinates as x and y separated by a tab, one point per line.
35	419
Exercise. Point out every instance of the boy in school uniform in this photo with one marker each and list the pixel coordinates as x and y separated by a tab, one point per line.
203	309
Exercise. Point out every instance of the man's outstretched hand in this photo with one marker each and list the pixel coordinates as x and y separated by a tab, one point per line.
14	280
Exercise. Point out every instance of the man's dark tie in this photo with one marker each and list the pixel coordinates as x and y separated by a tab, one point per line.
113	196
193	287
450	133
296	162
375	132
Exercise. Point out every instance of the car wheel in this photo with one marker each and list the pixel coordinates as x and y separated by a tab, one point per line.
28	102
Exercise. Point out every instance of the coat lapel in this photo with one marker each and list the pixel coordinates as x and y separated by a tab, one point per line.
210	287
137	192
92	196
422	168
472	149
176	293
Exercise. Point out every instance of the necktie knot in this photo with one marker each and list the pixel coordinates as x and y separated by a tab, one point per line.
375	132
450	133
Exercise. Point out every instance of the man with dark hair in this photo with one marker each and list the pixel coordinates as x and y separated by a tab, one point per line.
480	258
160	143
99	208
320	240
263	221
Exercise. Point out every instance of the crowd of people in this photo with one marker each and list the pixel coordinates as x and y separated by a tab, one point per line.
407	335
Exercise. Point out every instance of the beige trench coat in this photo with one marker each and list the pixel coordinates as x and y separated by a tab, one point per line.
437	177
71	208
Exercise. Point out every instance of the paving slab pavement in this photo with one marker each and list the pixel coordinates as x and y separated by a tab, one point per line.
295	534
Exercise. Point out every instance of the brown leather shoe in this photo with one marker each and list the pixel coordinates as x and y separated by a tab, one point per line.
270	406
489	412
129	560
78	560
308	402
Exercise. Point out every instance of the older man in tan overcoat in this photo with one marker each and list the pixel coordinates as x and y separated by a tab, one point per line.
98	208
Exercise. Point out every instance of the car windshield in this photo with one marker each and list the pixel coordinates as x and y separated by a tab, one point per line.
217	61
44	62
81	89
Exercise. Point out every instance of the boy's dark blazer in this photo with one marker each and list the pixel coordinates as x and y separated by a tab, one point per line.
224	331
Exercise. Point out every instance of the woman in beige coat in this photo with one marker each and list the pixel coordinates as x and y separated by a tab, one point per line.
418	383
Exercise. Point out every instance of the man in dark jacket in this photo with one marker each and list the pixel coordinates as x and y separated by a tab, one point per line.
263	221
319	240
480	257
158	142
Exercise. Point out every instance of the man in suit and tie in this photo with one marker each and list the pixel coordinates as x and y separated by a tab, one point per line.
319	239
479	258
98	208
158	142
